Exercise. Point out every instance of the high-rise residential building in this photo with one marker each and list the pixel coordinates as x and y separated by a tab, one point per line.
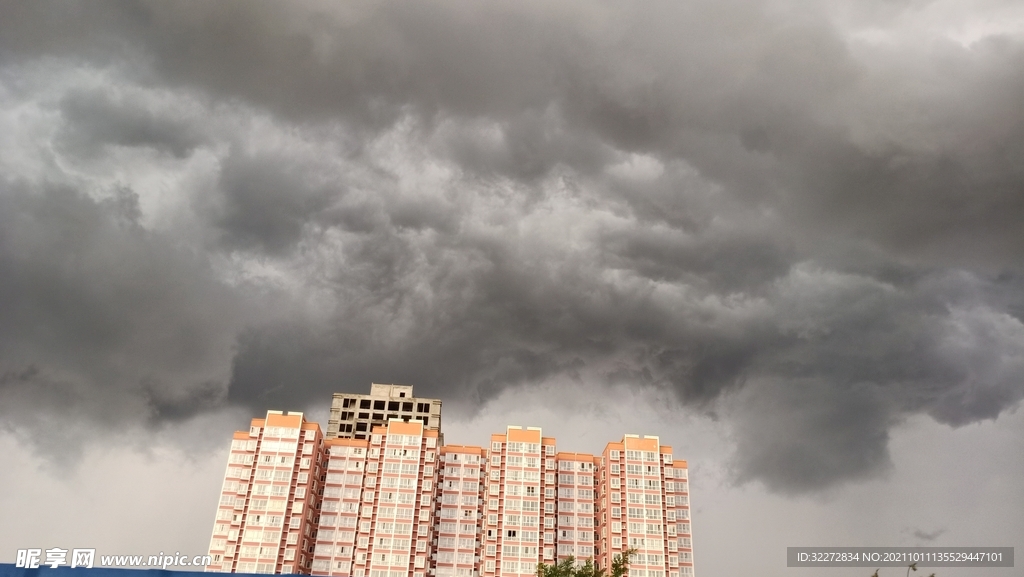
353	416
269	501
459	511
399	504
645	505
516	502
577	506
377	513
338	527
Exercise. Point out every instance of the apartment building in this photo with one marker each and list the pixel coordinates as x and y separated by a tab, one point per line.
400	504
576	506
377	513
459	511
269	500
353	416
338	527
645	505
514	528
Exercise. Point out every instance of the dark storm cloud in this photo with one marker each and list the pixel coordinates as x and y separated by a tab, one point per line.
526	147
805	434
94	120
267	202
770	106
738	203
928	536
102	322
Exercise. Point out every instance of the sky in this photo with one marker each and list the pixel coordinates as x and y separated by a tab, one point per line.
785	237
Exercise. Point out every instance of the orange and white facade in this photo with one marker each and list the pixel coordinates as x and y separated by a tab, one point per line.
516	515
338	528
269	501
459	511
377	515
645	506
577	506
398	504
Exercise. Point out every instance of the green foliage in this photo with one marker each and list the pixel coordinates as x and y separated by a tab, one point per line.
568	568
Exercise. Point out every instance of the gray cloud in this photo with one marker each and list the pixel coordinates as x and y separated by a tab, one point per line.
103	322
928	536
267	202
811	234
94	120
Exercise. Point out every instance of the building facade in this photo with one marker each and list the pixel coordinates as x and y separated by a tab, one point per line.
576	524
398	503
353	416
513	530
645	505
459	511
376	519
270	498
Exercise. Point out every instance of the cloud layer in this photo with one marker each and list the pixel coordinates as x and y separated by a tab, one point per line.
803	221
